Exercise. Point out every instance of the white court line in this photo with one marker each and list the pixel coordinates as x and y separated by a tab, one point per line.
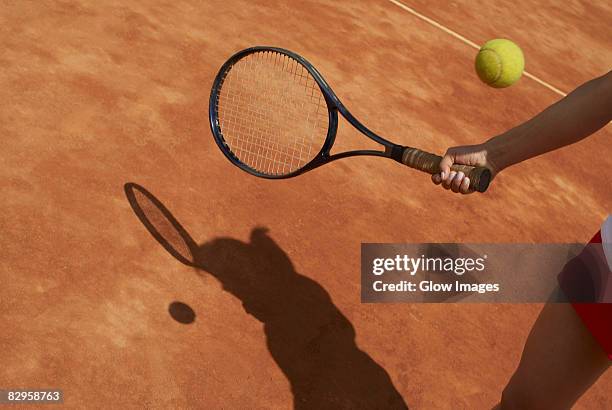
468	42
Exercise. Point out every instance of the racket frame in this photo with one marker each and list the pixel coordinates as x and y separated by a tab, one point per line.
334	106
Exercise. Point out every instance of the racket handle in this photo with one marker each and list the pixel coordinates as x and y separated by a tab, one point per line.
430	163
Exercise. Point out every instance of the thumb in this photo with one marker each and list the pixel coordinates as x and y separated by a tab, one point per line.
445	164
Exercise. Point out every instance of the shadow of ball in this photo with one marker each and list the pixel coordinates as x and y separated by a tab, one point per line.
181	312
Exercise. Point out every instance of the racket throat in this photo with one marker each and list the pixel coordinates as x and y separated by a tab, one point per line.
395	152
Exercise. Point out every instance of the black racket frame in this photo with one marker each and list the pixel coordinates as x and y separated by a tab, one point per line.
334	106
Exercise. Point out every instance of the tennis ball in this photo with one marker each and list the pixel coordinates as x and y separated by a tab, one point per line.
500	63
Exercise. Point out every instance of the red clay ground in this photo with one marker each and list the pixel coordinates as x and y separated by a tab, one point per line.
98	95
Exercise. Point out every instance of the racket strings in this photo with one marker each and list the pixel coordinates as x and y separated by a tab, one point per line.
272	114
265	145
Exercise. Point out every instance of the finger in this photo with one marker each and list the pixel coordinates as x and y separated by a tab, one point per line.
448	181
446	163
456	183
437	179
465	186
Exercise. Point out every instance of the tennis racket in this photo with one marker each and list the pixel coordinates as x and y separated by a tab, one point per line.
273	115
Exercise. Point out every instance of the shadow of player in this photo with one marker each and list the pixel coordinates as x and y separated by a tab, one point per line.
312	342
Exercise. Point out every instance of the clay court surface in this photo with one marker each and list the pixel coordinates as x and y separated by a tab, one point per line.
97	95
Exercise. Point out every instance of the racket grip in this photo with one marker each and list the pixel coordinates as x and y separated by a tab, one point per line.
480	177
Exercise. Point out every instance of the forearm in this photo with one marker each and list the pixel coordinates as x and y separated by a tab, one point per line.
584	111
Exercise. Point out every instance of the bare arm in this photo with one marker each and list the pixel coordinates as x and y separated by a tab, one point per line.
584	111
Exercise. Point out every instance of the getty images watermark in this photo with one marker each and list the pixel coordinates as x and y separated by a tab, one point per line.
412	265
513	273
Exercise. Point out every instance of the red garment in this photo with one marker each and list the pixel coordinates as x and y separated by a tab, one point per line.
597	317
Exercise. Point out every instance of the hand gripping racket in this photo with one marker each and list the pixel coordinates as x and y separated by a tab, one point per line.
274	116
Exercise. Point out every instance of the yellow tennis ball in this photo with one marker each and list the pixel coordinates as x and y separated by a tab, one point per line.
500	63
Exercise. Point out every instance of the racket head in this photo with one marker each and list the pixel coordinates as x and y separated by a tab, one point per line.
271	113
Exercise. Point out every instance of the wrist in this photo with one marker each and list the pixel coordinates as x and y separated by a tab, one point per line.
498	154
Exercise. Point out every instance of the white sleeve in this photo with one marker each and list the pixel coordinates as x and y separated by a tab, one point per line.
606	239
